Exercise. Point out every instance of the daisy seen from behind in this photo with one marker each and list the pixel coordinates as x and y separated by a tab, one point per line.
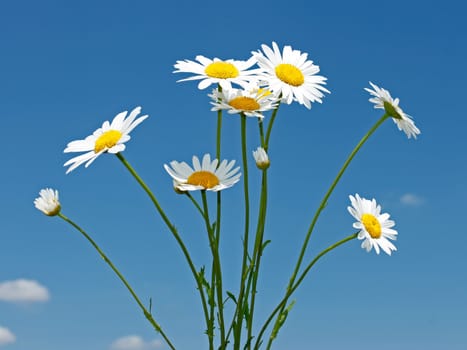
111	138
48	202
207	175
375	228
382	100
216	71
291	75
251	101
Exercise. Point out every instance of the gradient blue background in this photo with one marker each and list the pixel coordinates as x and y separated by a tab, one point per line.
65	67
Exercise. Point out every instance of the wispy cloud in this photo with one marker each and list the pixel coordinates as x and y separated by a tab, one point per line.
23	290
135	342
6	337
412	199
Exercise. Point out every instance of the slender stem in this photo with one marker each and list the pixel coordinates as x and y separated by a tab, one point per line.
290	291
324	202
258	247
258	250
146	313
268	132
325	251
241	295
217	234
253	270
217	238
216	267
213	285
173	230
195	203
219	131
261	132
211	302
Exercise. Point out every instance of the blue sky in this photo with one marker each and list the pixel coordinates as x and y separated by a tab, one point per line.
66	67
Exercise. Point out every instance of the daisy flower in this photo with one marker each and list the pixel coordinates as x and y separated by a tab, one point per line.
203	176
217	71
375	228
291	75
383	100
47	202
111	138
251	101
261	158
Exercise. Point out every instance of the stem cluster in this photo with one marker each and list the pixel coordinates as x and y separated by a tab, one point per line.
238	329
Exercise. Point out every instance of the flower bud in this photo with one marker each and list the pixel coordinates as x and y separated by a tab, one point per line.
261	158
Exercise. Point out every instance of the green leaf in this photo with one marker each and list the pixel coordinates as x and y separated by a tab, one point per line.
282	318
265	244
231	296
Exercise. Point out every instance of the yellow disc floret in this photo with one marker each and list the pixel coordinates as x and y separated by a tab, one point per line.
243	103
221	70
290	74
372	225
203	178
107	140
261	93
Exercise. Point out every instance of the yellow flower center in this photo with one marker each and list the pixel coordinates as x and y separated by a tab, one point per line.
221	70
261	93
372	225
203	178
243	103
290	74
107	140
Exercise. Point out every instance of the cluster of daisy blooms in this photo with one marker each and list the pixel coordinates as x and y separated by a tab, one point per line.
285	76
269	78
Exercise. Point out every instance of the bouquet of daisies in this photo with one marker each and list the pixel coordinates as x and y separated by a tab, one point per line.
254	90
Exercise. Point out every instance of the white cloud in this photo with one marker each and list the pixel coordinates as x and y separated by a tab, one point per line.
411	199
156	344
135	342
22	290
6	337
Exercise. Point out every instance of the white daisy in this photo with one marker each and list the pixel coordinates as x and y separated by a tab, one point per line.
217	71
290	75
111	137
375	228
383	100
48	202
203	176
251	101
261	158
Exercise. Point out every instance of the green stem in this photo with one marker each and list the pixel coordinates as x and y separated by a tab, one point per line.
211	302
219	131
195	203
261	132
241	295
213	285
216	268
268	132
173	230
258	250
217	234
146	313
325	199
282	304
